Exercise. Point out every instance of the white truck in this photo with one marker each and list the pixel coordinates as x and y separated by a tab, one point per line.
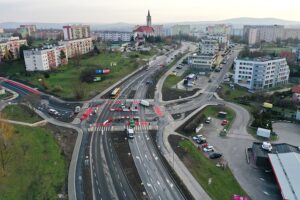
130	133
144	103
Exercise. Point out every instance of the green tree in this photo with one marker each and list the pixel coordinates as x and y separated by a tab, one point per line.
62	54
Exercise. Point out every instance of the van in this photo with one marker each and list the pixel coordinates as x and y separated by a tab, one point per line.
130	133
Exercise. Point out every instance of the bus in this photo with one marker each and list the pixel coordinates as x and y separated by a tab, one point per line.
115	93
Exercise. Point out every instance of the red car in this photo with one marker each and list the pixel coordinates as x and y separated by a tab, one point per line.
238	197
224	122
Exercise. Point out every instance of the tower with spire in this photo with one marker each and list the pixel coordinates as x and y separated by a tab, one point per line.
149	19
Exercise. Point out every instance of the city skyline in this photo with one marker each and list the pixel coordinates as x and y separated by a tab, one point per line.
135	12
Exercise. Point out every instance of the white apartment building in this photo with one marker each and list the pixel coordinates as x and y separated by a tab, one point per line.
45	59
180	30
11	45
208	46
260	73
79	46
26	30
268	33
74	32
114	36
158	30
219	29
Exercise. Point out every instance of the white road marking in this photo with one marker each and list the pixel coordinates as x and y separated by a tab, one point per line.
97	182
124	193
99	191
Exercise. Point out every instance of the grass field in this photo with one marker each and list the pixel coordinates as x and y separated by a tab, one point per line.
229	94
62	81
277	50
20	113
37	170
223	183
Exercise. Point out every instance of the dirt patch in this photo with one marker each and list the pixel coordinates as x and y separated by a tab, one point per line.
185	192
189	126
173	94
122	148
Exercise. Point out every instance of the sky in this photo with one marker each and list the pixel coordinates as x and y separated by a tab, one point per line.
134	11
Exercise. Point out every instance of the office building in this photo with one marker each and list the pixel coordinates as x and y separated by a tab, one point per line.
10	48
26	30
180	30
201	63
46	58
74	32
78	47
115	36
261	73
208	46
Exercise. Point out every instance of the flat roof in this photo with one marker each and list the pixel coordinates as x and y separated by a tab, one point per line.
277	148
286	167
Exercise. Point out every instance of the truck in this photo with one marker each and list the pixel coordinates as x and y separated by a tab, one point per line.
130	133
144	103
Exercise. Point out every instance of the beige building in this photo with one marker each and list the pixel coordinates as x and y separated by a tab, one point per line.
79	46
293	33
27	30
10	47
219	29
74	32
268	33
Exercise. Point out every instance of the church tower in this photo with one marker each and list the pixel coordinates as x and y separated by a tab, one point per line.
149	19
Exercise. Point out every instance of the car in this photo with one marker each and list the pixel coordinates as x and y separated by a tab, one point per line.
209	80
215	155
224	122
201	137
195	138
238	197
208	120
200	141
112	109
209	148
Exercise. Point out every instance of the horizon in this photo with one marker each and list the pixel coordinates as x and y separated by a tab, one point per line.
168	12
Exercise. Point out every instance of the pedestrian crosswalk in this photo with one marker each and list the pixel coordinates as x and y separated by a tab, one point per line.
121	128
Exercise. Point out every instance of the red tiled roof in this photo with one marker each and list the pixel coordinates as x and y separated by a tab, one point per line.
296	89
144	29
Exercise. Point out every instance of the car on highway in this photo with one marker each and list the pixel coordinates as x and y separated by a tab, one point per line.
224	122
215	155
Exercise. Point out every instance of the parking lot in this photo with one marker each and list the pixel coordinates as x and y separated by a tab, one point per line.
258	183
288	133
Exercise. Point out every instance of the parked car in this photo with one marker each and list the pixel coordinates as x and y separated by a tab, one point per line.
201	137
208	120
224	122
209	148
215	155
238	197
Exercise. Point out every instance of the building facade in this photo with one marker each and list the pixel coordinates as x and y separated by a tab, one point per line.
114	36
268	33
201	63
46	58
291	33
261	73
158	30
74	32
50	34
180	30
78	47
208	46
219	29
10	48
26	30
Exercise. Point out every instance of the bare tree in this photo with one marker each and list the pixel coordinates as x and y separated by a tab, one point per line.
6	132
31	100
78	90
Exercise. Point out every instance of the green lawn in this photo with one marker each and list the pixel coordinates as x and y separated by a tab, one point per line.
62	81
171	81
39	172
20	113
223	184
277	50
229	94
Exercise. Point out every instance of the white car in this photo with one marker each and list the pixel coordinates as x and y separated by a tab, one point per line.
195	138
209	148
201	137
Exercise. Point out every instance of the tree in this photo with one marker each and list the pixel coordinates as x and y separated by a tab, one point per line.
96	50
62	54
6	132
78	91
77	58
22	48
87	75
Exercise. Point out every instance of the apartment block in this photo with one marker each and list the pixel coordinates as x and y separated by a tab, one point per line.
219	29
261	73
1	30
291	33
114	36
50	34
201	63
208	46
180	30
46	58
10	47
26	30
268	33
78	47
74	32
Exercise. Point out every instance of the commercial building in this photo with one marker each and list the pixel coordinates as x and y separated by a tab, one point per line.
268	33
46	58
78	47
219	29
260	73
10	47
26	30
201	63
208	46
74	32
114	36
180	30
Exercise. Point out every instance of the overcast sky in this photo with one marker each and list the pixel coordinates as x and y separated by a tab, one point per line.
134	11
